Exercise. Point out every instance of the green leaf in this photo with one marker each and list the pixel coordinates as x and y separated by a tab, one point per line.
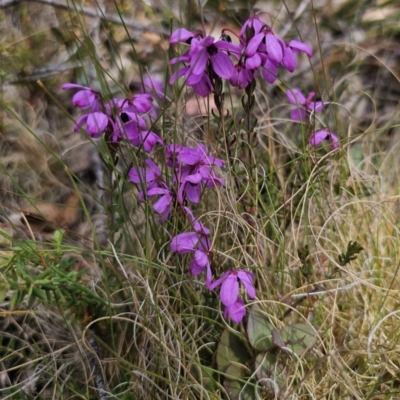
259	329
17	298
299	337
231	351
268	365
234	387
4	288
206	376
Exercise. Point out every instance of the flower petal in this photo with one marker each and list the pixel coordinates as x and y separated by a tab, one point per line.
298	47
193	192
236	311
218	282
180	35
229	290
204	87
295	96
199	61
252	46
222	65
289	59
83	99
270	71
201	258
324	135
247	278
316	106
177	74
274	48
184	242
298	115
96	124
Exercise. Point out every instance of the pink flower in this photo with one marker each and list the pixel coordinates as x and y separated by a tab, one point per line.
96	123
296	97
324	135
85	98
236	311
198	243
229	282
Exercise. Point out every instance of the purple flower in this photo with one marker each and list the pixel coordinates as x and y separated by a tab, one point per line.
194	242
242	76
130	125
151	85
181	35
197	168
203	53
296	97
236	311
155	187
163	205
148	139
85	98
292	47
198	243
250	28
96	123
266	43
324	135
229	282
270	71
150	175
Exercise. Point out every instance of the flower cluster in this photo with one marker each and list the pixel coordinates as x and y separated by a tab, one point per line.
258	51
193	171
118	119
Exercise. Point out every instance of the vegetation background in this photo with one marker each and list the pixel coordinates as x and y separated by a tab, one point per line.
92	302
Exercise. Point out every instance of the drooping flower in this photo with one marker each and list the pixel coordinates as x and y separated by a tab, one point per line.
236	311
84	98
291	48
163	205
317	138
181	35
96	123
250	28
150	175
130	124
197	167
265	43
154	86
96	120
204	53
296	97
196	242
242	75
229	282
